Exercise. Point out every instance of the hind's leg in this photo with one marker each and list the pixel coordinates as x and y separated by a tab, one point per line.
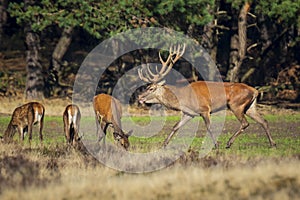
41	126
102	131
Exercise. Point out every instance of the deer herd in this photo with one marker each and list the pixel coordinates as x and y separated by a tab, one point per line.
200	98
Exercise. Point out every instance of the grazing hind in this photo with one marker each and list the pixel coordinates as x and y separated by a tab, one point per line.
108	111
23	118
71	118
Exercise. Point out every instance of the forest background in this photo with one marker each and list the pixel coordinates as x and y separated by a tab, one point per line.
43	43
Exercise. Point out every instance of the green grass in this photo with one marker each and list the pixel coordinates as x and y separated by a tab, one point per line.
253	142
269	118
250	169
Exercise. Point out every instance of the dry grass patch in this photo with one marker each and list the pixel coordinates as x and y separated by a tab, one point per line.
61	172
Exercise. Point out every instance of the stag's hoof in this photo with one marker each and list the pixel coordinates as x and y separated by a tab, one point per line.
164	145
228	145
217	145
273	145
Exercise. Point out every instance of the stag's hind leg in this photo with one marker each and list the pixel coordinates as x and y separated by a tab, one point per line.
239	113
251	112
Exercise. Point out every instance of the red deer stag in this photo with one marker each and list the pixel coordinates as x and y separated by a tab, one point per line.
200	98
108	111
23	118
71	118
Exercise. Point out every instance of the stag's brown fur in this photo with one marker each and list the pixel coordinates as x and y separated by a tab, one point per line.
108	111
23	118
71	118
203	98
200	98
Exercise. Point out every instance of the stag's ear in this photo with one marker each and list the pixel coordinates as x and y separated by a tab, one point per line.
161	82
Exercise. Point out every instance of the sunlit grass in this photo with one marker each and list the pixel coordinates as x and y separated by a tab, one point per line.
249	169
251	142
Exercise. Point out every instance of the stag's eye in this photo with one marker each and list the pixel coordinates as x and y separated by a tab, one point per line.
151	89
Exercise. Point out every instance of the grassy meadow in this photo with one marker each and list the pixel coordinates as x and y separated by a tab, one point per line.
250	169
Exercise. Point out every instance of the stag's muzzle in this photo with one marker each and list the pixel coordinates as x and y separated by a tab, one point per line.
141	99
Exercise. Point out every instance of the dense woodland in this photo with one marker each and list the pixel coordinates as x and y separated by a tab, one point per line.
43	43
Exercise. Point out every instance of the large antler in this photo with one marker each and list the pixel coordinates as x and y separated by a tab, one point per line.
147	75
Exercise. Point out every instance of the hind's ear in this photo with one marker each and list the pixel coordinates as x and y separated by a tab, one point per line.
129	133
117	136
80	136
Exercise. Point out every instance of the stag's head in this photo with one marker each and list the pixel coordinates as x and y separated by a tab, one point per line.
155	90
122	139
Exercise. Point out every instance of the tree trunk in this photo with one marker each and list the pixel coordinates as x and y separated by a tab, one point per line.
233	59
210	41
34	80
3	18
61	48
53	82
238	45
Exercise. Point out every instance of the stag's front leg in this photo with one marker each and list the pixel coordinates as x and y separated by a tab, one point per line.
206	118
184	119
